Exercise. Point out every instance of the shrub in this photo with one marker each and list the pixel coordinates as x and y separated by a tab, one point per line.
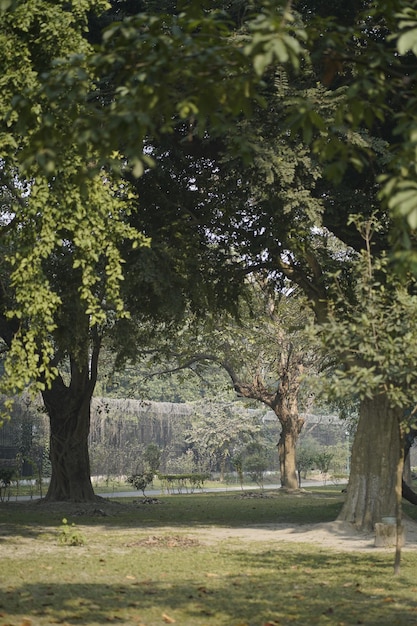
6	477
256	466
141	481
183	481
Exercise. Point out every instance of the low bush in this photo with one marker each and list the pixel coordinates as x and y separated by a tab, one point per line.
182	482
141	481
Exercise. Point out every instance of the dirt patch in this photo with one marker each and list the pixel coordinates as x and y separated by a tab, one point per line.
338	536
165	541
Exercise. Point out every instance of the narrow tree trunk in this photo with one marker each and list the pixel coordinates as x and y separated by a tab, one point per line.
398	504
291	429
375	453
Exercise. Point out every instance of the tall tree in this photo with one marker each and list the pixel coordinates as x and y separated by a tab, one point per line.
67	115
373	338
61	233
282	210
349	104
377	98
351	117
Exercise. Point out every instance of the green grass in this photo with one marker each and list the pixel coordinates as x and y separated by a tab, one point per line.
146	564
234	508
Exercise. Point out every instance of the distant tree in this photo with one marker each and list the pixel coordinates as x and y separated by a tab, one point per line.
268	357
323	459
152	457
7	474
255	463
305	456
216	432
237	464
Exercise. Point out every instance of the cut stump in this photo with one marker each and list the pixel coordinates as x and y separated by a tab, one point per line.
386	535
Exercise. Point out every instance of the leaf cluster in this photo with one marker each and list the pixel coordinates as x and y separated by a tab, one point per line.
374	338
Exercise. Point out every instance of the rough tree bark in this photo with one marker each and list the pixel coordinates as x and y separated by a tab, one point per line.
284	403
68	407
375	453
291	429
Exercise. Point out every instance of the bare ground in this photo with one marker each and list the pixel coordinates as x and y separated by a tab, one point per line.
339	536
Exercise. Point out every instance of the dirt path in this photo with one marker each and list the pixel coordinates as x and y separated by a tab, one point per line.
336	535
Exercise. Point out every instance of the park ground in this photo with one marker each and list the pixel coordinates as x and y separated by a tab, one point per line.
208	559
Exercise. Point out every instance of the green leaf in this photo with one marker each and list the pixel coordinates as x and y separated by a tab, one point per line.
137	168
412	218
404	201
261	62
407	41
281	51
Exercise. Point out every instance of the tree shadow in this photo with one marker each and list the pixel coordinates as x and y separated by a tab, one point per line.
30	518
276	586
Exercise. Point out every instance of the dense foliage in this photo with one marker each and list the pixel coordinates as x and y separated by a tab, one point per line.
271	128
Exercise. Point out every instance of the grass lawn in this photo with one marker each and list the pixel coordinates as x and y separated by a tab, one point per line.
146	564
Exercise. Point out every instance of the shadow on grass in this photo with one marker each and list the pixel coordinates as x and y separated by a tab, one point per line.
280	586
231	510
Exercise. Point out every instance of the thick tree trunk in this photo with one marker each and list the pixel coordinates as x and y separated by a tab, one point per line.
375	455
69	414
290	432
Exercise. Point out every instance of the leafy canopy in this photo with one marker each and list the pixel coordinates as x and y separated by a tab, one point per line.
74	116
